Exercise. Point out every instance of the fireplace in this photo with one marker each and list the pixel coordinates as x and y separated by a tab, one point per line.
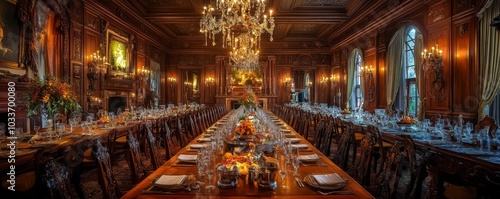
114	103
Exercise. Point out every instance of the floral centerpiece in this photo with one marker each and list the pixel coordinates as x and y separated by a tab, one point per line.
248	99
52	96
407	120
245	127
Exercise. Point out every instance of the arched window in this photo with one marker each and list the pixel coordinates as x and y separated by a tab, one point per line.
357	95
411	92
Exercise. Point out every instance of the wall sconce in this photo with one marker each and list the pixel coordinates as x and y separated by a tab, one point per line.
209	81
309	84
365	70
188	85
143	74
96	62
287	81
324	82
335	79
171	82
433	61
94	103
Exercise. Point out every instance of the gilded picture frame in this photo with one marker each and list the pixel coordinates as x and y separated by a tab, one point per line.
118	54
10	36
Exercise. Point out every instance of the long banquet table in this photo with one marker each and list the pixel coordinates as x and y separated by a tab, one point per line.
452	161
245	188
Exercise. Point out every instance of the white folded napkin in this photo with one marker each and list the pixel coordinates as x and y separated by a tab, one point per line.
308	158
197	146
286	130
187	158
330	179
204	140
170	180
293	140
299	145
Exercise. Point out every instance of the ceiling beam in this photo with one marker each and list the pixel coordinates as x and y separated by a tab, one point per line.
309	17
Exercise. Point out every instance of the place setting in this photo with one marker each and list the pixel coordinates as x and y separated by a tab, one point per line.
328	183
167	184
185	160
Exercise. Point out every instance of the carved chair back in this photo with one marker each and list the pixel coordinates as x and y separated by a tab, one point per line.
135	159
156	160
105	175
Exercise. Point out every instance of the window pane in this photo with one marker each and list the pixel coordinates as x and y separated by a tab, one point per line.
411	72
411	60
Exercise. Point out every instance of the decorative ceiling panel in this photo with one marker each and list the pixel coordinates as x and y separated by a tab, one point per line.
167	2
336	3
304	29
186	29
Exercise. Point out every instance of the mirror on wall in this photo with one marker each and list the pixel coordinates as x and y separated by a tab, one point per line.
191	85
303	85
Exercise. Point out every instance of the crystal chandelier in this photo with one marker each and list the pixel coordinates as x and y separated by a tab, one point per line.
245	54
236	17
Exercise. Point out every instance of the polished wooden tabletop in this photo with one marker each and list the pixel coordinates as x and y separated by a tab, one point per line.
245	188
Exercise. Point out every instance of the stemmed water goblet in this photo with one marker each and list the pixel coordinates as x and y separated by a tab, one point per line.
468	129
296	164
210	170
283	170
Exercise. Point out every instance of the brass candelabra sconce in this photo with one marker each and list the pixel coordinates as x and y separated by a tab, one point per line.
287	82
324	83
171	82
433	61
96	66
367	71
209	82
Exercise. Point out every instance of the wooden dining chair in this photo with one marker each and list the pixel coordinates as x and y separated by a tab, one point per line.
361	169
135	159
156	159
56	177
172	143
341	154
105	176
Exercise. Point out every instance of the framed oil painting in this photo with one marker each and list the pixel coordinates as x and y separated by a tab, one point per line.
252	78
9	35
118	54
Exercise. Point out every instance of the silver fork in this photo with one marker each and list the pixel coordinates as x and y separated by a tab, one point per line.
336	192
299	182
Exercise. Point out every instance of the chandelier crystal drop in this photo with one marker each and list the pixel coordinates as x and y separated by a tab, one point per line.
235	17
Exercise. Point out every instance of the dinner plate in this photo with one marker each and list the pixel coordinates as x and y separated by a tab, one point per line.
309	179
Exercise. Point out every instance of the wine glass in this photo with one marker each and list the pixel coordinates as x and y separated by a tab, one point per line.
296	164
468	128
283	171
200	163
210	175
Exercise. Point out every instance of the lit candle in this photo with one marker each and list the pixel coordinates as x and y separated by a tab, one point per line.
440	52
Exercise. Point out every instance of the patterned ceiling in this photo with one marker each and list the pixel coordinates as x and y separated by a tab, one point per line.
296	21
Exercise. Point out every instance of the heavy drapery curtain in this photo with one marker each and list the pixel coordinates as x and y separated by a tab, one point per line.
489	59
419	72
394	63
351	69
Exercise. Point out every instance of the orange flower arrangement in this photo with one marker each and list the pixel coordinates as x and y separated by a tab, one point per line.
407	120
245	128
51	95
